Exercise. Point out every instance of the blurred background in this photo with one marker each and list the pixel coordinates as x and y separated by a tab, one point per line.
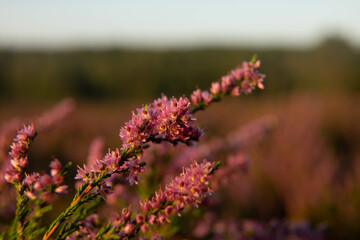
113	56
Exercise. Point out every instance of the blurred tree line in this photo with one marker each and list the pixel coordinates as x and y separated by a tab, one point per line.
123	74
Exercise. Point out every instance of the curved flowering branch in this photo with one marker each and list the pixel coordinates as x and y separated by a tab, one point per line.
165	119
188	189
241	80
16	173
39	188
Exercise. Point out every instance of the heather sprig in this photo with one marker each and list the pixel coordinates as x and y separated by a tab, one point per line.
34	190
163	120
188	189
18	156
241	80
15	175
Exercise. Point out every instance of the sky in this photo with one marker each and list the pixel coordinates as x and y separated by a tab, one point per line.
172	24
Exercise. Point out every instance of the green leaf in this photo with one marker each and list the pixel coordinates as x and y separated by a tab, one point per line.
254	58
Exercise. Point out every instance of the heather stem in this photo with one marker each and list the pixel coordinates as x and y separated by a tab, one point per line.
20	213
72	208
77	201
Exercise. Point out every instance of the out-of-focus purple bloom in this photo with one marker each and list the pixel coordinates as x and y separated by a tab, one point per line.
196	97
236	91
215	88
247	86
95	150
56	167
208	97
227	83
56	114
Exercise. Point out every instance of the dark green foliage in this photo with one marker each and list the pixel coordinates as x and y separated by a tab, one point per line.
73	223
125	74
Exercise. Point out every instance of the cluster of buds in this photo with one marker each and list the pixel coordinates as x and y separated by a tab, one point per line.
44	186
163	120
112	163
18	154
188	189
243	79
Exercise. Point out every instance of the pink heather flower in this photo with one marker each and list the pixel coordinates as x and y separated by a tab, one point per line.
236	91
247	86
257	64
227	83
140	218
44	186
258	79
133	176
56	167
13	175
248	69
145	205
126	213
83	174
129	228
132	133
208	97
19	163
196	97
152	219
238	73
215	88
112	161
25	133
19	147
62	189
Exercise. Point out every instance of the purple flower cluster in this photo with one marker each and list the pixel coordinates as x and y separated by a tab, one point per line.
44	186
187	189
18	154
243	79
220	228
164	119
112	163
275	229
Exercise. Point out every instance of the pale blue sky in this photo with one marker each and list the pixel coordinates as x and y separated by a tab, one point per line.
166	23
